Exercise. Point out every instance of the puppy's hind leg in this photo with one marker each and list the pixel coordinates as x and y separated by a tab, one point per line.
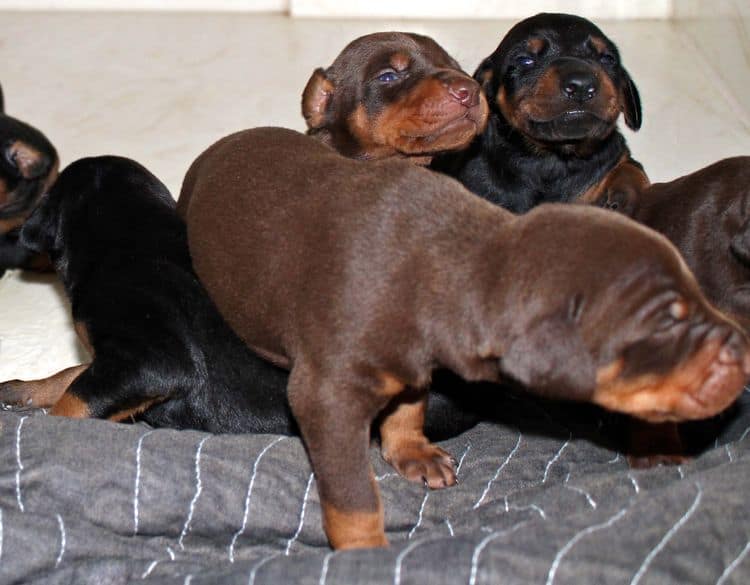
42	393
111	393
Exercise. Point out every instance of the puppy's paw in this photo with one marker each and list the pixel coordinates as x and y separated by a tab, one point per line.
420	461
646	461
13	393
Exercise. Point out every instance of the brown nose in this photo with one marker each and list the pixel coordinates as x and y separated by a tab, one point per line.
464	91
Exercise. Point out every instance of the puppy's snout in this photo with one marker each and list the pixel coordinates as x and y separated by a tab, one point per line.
464	91
579	85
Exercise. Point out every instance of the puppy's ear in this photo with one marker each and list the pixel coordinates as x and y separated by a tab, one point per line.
39	231
484	77
27	160
550	359
2	101
630	101
316	98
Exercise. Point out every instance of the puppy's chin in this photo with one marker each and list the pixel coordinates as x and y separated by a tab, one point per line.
451	134
569	126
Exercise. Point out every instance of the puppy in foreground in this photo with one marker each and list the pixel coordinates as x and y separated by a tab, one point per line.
394	94
28	166
556	88
160	350
362	278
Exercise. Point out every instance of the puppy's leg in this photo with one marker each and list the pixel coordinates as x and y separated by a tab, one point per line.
112	392
42	393
405	447
334	414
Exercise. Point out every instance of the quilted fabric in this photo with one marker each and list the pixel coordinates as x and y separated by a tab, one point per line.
542	498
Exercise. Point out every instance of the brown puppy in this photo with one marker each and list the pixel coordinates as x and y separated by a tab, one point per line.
362	278
394	94
707	216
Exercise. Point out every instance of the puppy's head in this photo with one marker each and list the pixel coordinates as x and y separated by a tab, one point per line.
624	324
394	94
28	166
557	79
97	203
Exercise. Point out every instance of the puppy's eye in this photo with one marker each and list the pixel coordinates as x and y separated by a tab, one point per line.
387	76
525	61
607	59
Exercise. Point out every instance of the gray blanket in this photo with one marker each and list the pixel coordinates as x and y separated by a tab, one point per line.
542	498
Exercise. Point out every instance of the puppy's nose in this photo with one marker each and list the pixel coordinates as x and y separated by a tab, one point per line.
579	85
464	91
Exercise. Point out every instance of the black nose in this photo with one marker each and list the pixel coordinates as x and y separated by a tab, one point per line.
579	85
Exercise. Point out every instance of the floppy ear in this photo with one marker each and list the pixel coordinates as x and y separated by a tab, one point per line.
550	359
484	77
316	98
630	101
28	161
39	231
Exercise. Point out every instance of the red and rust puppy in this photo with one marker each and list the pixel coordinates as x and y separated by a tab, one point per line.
556	88
707	216
324	265
28	166
394	94
157	341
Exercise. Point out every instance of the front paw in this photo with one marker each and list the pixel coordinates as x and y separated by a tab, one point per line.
419	460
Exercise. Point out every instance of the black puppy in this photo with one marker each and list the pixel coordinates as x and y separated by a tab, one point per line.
556	87
159	345
28	166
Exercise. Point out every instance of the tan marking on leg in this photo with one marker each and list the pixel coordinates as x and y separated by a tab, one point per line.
71	406
350	529
134	410
405	447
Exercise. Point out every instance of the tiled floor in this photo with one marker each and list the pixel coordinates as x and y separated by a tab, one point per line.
160	88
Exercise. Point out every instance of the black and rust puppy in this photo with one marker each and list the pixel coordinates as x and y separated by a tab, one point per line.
156	339
394	94
28	166
556	88
706	214
362	278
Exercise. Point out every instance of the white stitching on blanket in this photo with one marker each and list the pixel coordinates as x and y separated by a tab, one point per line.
324	571
615	459
480	547
667	536
198	490
729	453
497	473
742	437
380	478
20	465
150	568
534	507
635	483
555	458
293	539
581	491
402	555
137	481
733	565
419	518
254	570
571	543
188	579
450	528
62	541
461	460
247	497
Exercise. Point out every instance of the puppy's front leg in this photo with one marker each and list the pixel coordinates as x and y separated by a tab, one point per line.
405	447
334	414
